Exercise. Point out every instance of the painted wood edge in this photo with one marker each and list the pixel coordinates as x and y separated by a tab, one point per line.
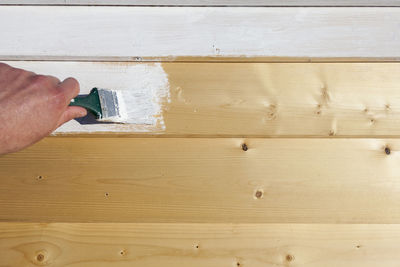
238	3
100	244
208	59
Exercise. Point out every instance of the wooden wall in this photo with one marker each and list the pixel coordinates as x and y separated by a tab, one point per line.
276	144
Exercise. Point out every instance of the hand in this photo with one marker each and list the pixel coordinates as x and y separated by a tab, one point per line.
32	106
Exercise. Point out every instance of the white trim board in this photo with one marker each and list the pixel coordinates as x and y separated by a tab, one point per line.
207	2
43	32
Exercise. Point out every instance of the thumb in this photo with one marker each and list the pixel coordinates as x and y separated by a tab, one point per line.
71	113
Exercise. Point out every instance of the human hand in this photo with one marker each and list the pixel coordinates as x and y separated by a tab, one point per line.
32	106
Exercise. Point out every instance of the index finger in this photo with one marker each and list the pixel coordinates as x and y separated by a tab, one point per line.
70	88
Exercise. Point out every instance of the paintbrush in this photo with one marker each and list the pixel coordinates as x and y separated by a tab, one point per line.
106	105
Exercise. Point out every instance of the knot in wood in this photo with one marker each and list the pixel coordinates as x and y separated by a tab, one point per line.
244	147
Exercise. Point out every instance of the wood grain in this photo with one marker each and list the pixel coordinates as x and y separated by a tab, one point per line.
230	245
250	99
137	33
223	197
259	3
72	179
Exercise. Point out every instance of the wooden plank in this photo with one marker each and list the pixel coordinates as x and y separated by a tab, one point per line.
259	3
247	99
102	244
73	179
132	33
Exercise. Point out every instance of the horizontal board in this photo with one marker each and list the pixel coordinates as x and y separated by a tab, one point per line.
225	245
171	33
207	2
247	99
224	180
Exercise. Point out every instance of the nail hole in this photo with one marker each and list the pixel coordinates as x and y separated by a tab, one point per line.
258	194
289	257
40	177
122	252
106	194
238	264
244	147
40	257
358	246
196	246
387	150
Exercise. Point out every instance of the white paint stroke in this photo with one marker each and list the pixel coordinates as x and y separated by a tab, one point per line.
144	88
140	103
67	32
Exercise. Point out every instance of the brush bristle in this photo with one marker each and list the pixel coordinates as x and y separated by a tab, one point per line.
110	105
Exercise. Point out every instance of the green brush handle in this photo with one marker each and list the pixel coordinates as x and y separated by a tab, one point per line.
91	102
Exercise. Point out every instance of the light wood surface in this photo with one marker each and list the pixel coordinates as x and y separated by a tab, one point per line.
137	33
277	145
250	99
225	245
72	179
260	3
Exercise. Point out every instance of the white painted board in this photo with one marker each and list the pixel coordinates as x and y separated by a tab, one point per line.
209	2
144	87
132	33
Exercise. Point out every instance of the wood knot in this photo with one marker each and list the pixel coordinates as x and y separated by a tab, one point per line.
289	258
271	112
325	96
244	147
387	150
259	194
40	257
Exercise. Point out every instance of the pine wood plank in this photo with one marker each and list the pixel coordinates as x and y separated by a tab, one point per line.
248	99
260	3
137	33
73	179
116	244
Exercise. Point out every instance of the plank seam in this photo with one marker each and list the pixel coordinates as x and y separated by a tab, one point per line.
230	6
217	60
